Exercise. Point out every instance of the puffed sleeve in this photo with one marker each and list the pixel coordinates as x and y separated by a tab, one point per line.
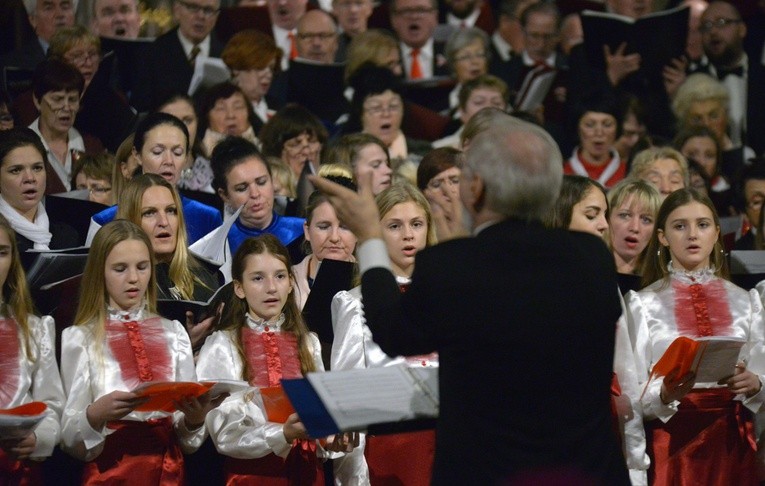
348	327
189	440
637	317
218	359
628	406
78	438
756	362
46	386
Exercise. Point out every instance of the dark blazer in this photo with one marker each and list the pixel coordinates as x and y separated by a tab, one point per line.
523	319
27	56
165	70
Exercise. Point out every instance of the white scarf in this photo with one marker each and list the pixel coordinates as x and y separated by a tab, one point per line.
37	231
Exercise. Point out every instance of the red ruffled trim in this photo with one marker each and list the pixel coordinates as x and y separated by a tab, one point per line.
270	356
141	349
702	309
9	361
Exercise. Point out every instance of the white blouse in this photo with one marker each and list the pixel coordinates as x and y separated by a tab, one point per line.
36	379
663	311
90	370
239	427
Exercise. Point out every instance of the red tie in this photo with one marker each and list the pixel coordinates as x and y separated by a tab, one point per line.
293	47
416	71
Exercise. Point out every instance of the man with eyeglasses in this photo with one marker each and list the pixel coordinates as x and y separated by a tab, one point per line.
284	15
414	22
752	190
168	63
317	37
46	17
722	35
541	59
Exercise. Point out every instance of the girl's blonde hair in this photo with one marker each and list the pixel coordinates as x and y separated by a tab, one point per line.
658	257
643	194
17	300
93	303
182	265
402	192
645	158
280	172
235	312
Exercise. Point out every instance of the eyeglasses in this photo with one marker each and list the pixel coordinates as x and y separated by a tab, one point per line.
377	110
719	23
194	9
294	146
316	35
414	11
470	56
81	58
99	190
540	36
59	104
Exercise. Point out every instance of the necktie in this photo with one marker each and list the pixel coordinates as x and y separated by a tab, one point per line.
193	55
293	46
736	71
416	71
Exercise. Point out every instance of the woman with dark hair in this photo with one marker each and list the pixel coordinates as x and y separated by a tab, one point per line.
242	178
697	432
438	177
296	136
57	88
23	178
225	112
595	156
377	108
581	206
6	118
254	61
701	145
161	144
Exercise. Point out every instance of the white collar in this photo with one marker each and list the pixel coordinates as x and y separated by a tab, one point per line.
137	313
528	61
261	324
468	21
204	46
503	47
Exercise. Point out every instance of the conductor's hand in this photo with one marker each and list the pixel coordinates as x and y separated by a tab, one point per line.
357	210
675	388
112	406
294	429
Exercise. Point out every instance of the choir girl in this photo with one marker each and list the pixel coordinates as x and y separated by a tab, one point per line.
407	228
28	368
697	433
117	343
264	340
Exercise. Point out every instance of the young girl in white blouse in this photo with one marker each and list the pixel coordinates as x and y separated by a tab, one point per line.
696	433
264	340
28	369
407	226
118	342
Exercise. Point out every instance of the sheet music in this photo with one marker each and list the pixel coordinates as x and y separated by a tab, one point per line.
718	358
208	71
357	398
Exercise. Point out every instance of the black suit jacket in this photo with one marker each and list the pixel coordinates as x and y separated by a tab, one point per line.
165	70
27	56
524	320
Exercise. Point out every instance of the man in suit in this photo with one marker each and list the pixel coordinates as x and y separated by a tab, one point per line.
168	62
414	22
46	17
284	16
523	319
352	17
753	191
722	35
468	13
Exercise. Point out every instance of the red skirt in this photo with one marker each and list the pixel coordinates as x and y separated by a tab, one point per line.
398	459
709	441
300	468
19	473
145	453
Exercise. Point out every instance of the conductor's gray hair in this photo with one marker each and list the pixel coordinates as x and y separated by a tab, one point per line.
521	167
31	5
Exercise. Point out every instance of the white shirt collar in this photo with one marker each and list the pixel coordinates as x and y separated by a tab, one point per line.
527	60
504	49
469	21
426	58
63	169
204	46
282	40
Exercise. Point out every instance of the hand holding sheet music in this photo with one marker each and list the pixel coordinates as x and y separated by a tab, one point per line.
16	423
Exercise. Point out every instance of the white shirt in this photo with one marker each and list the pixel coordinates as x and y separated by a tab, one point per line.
737	90
63	170
504	49
204	46
282	39
469	21
425	57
